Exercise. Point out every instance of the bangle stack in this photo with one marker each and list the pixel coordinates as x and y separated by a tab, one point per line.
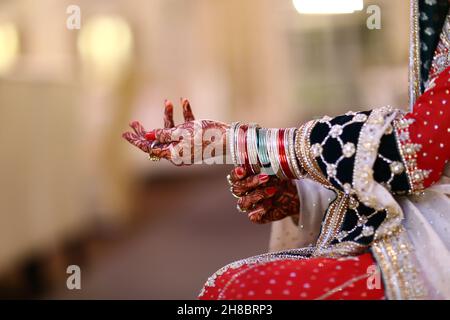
270	151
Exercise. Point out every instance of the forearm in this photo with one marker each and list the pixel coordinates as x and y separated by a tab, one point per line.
323	150
407	151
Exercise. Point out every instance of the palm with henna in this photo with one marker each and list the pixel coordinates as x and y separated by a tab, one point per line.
179	143
264	198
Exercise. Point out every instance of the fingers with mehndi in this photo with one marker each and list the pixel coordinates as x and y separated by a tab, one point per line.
247	202
168	115
187	110
264	198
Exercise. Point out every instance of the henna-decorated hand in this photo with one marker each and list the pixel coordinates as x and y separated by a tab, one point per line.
184	144
264	198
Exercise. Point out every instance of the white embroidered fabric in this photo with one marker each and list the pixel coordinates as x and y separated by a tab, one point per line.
427	222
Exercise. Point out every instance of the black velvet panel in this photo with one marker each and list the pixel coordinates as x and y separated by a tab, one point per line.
350	224
388	153
431	20
389	149
332	151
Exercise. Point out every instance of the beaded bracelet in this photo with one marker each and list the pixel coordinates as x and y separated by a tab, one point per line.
286	154
299	173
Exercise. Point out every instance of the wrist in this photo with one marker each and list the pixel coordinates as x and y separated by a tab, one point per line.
265	150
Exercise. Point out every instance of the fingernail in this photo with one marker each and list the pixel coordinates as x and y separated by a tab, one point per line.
254	216
239	172
271	191
263	178
151	135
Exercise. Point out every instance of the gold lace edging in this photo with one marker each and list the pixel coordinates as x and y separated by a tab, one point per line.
414	54
391	247
395	259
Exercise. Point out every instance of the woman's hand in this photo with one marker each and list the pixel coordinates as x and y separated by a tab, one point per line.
187	143
264	198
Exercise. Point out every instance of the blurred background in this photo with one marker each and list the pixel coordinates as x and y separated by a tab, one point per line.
72	192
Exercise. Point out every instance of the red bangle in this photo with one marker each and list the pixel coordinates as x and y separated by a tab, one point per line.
247	165
242	148
282	155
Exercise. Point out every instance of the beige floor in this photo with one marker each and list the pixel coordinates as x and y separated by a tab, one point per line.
191	228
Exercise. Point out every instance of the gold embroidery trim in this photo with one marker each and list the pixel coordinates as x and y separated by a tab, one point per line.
303	153
341	249
366	154
343	286
333	221
414	54
394	256
391	246
408	152
336	211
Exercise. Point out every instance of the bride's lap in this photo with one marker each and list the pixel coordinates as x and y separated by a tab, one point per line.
315	278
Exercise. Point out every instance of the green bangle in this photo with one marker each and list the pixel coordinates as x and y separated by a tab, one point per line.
262	148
